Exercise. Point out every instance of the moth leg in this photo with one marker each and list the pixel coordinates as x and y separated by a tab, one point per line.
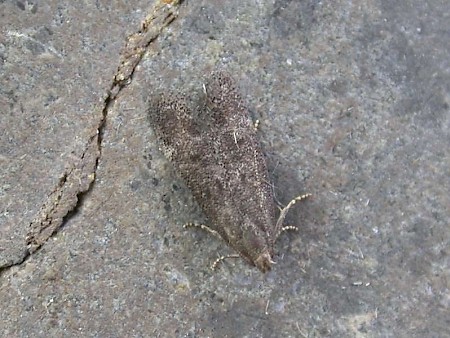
220	259
256	125
214	233
203	227
288	228
279	226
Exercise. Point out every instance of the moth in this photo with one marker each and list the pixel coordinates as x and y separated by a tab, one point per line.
214	149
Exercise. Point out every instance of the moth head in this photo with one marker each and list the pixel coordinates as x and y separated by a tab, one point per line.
264	261
255	247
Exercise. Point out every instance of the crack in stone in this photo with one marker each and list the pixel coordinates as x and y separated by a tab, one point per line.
77	180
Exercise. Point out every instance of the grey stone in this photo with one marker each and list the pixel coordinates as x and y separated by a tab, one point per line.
353	99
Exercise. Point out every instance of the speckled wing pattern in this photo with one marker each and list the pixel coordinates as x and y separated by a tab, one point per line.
216	152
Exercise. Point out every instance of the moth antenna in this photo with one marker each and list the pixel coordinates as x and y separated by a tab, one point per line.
284	211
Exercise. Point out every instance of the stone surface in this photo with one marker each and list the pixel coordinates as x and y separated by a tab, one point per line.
353	99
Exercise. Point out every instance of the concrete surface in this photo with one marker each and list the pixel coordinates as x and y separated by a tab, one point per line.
353	99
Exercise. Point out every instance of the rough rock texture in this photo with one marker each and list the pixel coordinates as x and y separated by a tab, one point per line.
353	99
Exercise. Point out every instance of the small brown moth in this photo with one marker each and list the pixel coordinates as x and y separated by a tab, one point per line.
215	150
